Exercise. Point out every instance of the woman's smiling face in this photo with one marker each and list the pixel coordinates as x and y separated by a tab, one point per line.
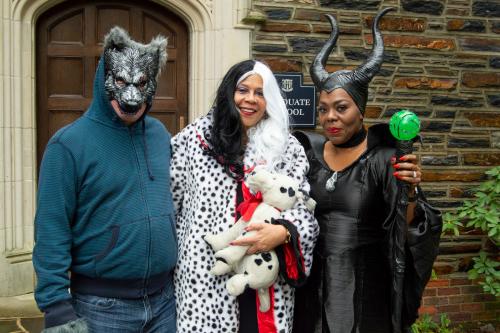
250	101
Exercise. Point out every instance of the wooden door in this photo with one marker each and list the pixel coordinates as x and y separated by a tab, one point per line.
69	44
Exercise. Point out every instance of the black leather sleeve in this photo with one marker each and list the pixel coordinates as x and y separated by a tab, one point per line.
422	249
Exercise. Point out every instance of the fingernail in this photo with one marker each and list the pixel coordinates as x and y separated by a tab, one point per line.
395	174
396	165
402	158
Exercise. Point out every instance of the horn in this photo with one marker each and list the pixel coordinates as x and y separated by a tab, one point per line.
317	70
366	71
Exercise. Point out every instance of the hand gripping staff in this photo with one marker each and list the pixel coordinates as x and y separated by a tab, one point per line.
404	126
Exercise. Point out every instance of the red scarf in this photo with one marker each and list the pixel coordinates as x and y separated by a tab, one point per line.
249	204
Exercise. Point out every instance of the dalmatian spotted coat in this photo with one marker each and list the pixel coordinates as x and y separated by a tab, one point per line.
205	202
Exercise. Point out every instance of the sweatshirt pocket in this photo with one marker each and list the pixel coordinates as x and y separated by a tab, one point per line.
124	256
163	244
114	230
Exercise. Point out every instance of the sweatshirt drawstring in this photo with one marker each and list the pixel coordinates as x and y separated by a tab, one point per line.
150	174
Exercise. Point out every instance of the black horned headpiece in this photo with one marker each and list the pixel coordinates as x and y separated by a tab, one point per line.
355	82
132	69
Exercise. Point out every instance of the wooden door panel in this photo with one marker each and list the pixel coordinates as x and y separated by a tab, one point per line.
65	76
169	119
152	27
62	102
167	81
68	50
68	29
164	104
69	45
107	17
61	118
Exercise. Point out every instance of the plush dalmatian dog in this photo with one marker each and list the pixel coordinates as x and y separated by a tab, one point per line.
258	271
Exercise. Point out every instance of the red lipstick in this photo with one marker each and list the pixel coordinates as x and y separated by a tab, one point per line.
333	130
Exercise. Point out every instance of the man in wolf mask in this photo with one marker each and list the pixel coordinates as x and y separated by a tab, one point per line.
104	205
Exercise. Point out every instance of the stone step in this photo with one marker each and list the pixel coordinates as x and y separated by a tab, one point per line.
21	325
20	314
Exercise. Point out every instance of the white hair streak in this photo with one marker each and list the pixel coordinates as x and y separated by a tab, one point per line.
270	136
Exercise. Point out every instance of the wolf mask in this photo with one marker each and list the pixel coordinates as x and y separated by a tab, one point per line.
132	69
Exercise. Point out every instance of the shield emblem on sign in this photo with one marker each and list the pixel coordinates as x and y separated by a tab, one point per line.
287	85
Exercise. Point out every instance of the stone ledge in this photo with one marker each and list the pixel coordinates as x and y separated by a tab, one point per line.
20	314
19	306
21	325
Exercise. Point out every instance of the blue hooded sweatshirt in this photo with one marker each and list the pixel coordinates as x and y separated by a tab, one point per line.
104	210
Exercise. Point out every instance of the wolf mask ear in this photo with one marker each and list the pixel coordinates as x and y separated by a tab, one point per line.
117	38
159	45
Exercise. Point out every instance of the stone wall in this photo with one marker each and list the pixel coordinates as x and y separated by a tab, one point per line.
442	61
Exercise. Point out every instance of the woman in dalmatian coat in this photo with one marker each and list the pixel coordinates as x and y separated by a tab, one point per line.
247	127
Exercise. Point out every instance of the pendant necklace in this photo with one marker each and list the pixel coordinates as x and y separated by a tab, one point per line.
355	140
330	183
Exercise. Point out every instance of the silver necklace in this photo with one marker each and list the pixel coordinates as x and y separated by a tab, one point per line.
330	183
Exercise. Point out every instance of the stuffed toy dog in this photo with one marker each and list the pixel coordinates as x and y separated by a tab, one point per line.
260	270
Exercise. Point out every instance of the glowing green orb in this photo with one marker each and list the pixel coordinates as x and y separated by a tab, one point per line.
404	125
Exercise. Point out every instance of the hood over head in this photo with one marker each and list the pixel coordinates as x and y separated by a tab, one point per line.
127	72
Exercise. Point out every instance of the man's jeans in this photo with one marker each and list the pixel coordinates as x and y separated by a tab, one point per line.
155	313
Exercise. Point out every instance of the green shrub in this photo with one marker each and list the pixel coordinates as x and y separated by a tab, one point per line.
481	213
425	324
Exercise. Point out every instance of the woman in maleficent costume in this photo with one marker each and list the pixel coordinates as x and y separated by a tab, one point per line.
353	177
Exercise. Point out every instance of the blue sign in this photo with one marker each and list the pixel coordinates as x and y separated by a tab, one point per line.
300	99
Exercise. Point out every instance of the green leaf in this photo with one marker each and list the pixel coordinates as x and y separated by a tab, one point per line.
493	172
480	194
481	210
471	223
473	274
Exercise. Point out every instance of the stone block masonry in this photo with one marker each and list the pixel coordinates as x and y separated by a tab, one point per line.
442	61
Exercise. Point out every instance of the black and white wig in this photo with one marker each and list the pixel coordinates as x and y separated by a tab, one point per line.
269	138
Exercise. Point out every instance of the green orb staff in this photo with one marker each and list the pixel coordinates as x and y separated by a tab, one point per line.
404	126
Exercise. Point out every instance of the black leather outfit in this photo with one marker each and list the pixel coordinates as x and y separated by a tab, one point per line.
349	289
